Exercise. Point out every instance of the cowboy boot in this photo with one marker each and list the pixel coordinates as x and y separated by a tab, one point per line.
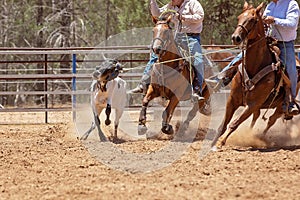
293	108
197	91
222	79
142	86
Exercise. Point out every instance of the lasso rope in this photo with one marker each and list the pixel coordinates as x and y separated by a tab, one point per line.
167	12
183	58
189	57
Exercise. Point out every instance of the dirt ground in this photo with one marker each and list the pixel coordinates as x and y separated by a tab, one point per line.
47	161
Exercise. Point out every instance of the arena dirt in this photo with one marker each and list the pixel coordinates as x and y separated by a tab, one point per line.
47	161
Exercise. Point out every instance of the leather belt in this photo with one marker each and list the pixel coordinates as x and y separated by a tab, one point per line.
193	34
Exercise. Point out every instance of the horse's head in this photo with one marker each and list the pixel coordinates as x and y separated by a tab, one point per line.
162	34
250	24
107	71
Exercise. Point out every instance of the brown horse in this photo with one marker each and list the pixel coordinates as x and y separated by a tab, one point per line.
260	84
171	78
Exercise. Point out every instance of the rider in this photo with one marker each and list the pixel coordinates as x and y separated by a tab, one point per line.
191	14
283	16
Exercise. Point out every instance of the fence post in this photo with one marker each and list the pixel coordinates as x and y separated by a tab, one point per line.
46	88
74	86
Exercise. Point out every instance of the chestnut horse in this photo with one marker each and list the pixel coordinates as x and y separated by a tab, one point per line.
259	84
171	78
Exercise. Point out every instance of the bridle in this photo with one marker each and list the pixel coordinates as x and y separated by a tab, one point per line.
248	32
244	26
163	42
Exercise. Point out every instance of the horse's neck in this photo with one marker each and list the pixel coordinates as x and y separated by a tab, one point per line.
258	55
171	57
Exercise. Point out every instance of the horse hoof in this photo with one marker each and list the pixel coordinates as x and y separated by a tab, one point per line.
142	129
167	129
107	122
214	149
220	144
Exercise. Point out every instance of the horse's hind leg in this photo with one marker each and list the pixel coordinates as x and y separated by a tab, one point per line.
167	115
254	119
142	118
191	115
272	119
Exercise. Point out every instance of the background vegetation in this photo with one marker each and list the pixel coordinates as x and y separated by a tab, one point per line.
70	23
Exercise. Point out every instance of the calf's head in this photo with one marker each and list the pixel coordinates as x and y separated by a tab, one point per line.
107	71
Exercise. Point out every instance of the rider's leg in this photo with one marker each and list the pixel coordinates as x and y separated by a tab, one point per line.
195	48
288	57
225	76
145	80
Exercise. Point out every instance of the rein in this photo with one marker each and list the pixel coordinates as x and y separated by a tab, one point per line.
248	83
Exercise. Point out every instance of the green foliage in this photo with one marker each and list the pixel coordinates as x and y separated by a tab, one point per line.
221	19
133	14
92	21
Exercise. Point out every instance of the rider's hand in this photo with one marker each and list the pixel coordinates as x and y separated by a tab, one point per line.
269	20
179	17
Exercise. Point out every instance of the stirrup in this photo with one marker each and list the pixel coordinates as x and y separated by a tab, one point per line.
215	84
197	97
137	90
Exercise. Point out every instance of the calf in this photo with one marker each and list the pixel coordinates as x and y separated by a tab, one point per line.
108	91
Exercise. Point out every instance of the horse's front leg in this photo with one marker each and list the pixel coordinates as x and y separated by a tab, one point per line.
167	115
235	124
231	107
142	129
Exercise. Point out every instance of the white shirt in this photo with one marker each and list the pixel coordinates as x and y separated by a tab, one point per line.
190	9
286	14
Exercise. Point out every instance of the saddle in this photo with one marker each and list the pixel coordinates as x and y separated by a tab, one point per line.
272	43
276	66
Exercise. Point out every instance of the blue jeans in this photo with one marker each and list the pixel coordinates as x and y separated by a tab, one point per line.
194	45
287	56
152	60
235	60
